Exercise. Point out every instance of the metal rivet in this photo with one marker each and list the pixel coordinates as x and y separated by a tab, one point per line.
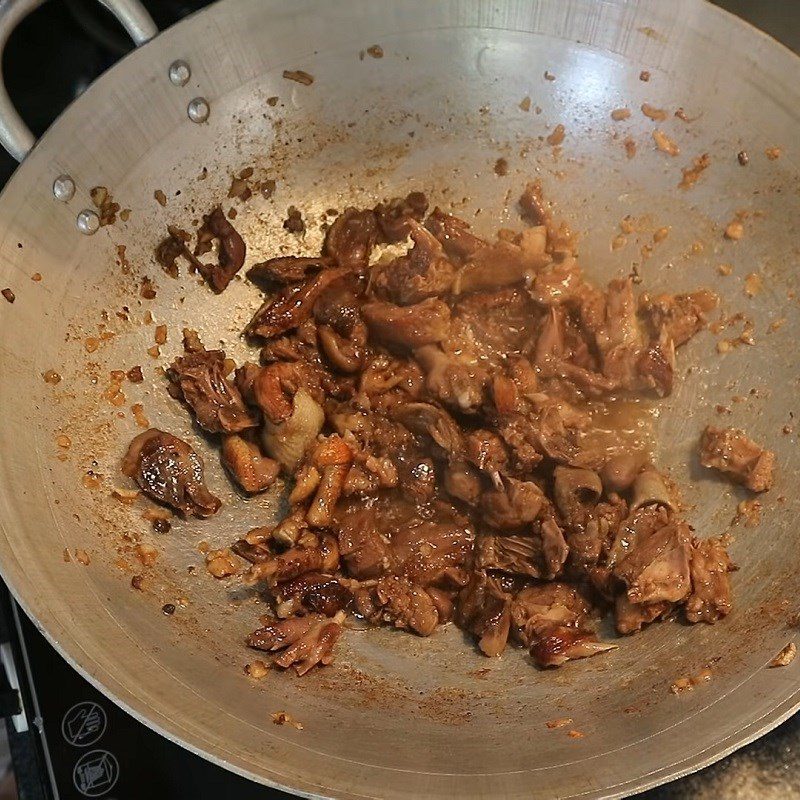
63	188
198	110
179	73
88	222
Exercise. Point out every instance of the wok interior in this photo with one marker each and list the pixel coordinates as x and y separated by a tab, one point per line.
434	114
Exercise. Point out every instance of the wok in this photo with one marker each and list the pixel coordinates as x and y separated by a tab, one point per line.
396	716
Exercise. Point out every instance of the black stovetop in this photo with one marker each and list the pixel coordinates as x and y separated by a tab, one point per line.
78	744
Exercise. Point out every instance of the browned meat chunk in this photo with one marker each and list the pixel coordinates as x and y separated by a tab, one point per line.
231	250
408	326
319	593
292	306
483	609
320	556
730	451
514	505
284	270
364	550
172	247
247	465
199	378
433	423
306	641
457	382
462	481
632	617
168	470
710	599
519	555
351	237
406	605
394	217
682	315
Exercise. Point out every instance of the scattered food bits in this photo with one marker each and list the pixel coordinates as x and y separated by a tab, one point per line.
161	334
742	158
691	174
91	481
548	76
298	76
575	734
62	440
752	284
220	563
138	415
657	114
66	556
272	101
376	51
134	374
630	146
152	514
558	723
161	525
160	197
525	104
681	685
750	512
148	290
665	144
51	377
82	557
619	114
256	669
681	114
125	214
557	136
644	75
720	409
147	554
697	248
734	230
773	153
9	295
501	167
103	201
618	242
154	351
294	221
776	324
661	234
282	718
136	582
725	269
126	496
268	189
36	277
785	657
168	609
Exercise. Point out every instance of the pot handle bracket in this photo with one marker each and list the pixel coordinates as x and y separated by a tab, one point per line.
15	136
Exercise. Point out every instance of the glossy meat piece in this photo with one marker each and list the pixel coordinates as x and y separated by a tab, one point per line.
351	237
170	471
247	465
406	605
292	306
285	270
515	504
463	482
408	326
394	217
200	380
576	492
710	599
232	250
454	235
731	451
296	561
317	592
632	617
519	555
681	315
364	550
433	423
457	382
483	609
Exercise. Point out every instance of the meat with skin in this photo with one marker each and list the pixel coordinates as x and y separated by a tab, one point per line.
433	423
483	609
247	465
519	555
351	237
406	605
170	471
408	326
200	379
292	306
305	641
731	451
394	217
232	250
285	270
514	505
710	599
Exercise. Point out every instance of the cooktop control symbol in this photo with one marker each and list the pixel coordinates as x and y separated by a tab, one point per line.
95	773
84	724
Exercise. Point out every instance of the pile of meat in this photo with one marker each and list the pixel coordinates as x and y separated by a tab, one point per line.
430	412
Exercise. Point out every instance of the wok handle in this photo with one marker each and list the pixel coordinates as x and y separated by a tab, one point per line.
15	136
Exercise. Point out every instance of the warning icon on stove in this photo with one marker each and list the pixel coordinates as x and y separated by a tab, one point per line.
95	773
84	724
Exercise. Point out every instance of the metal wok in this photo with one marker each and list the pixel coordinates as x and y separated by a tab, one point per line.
395	716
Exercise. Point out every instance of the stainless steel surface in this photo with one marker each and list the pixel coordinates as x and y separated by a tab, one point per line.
396	716
15	136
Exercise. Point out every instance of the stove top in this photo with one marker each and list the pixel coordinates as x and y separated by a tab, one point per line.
69	741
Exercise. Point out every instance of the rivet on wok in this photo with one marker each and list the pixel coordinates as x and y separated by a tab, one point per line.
88	222
198	110
63	188
179	73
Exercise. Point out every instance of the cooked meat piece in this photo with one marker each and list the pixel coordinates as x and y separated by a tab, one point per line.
487	452
656	364
424	551
332	458
453	380
517	503
433	423
351	237
247	465
576	492
730	451
650	487
306	641
173	246
345	354
545	433
408	326
423	272
632	617
502	263
443	602
319	593
199	378
462	481
231	250
554	548
619	472
364	550
710	599
682	315
296	561
589	537
520	555
657	565
168	470
483	609
394	217
454	235
406	605
559	283
285	270
532	206
554	645
292	306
